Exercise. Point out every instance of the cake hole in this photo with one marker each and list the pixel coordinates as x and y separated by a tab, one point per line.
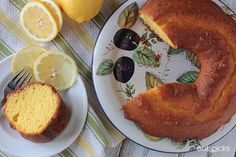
15	117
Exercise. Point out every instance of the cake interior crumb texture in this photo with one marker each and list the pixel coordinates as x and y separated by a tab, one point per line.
31	110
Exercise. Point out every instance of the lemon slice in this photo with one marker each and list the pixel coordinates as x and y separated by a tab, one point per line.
26	58
57	69
55	11
38	22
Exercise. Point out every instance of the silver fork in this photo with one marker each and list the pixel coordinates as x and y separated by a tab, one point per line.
23	77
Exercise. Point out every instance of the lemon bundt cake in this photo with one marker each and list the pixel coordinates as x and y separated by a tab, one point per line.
37	112
197	110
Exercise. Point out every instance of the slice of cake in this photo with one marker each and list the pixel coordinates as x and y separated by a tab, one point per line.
37	112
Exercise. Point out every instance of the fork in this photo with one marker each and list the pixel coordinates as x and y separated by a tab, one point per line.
23	77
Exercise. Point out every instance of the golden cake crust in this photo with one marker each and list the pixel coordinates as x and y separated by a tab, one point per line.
194	110
56	124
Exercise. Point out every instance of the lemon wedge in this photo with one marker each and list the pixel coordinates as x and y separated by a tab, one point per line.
57	69
38	22
26	58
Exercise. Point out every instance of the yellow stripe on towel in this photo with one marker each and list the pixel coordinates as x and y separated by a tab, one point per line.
81	33
15	29
85	145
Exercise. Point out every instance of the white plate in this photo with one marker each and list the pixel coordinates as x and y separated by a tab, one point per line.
112	94
13	143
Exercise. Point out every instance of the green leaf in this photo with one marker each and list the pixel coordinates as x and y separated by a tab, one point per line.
128	16
192	143
188	77
106	67
179	145
173	51
133	91
152	80
145	57
183	143
192	149
198	142
152	138
192	57
128	94
129	91
132	86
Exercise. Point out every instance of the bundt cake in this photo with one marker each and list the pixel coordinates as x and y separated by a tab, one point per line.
197	110
37	112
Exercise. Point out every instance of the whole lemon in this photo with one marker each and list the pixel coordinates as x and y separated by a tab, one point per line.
81	10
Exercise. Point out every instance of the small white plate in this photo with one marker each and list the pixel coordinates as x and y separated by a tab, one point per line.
157	63
13	143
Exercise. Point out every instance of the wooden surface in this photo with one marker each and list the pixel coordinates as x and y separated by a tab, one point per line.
131	149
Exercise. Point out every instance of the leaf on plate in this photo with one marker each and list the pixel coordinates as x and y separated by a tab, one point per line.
192	149
173	51
179	145
198	142
128	16
192	57
152	138
152	80
194	144
106	67
188	77
129	91
146	57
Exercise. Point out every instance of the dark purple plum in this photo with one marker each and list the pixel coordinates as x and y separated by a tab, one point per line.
124	69
126	39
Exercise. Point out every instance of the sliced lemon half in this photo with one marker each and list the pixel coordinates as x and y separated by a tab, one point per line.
38	22
57	69
25	59
55	11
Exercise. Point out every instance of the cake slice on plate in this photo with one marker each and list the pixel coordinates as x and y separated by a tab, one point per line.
37	112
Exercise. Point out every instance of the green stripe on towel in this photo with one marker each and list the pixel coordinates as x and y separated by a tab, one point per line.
67	153
5	49
14	28
2	154
97	130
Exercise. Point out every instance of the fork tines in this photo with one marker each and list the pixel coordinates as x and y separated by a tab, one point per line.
23	77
